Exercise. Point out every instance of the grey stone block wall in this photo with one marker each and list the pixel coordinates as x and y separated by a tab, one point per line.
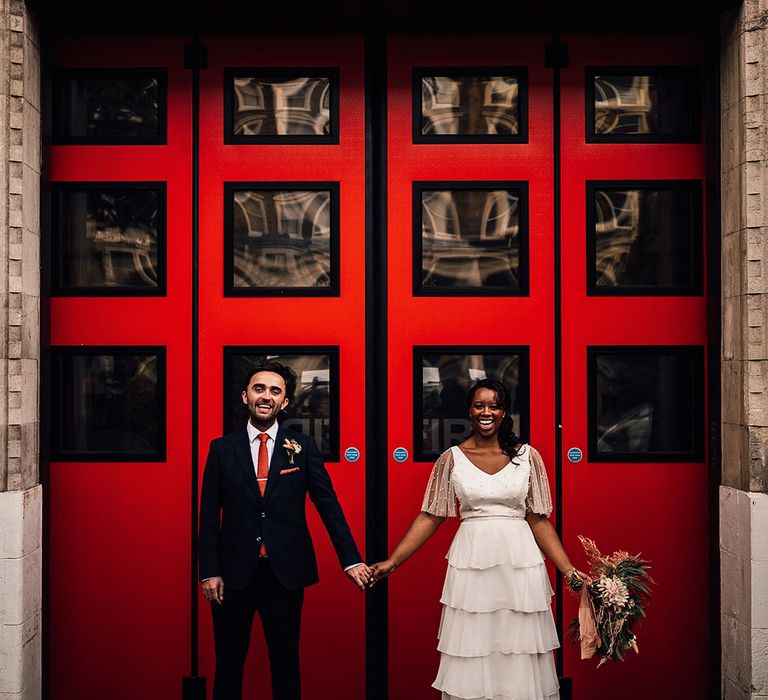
19	247
744	254
20	490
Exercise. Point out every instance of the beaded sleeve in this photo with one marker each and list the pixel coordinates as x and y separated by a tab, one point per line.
539	499
440	497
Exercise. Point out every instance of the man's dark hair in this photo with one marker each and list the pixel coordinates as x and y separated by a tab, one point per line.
288	375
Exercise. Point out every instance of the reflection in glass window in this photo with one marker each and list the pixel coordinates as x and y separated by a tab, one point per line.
470	105
445	379
108	239
312	411
471	239
651	105
271	106
646	402
108	404
109	106
281	238
647	237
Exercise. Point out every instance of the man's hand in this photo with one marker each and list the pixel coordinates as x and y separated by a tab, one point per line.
213	590
360	575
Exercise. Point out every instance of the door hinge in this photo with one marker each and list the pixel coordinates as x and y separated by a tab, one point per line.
556	55
195	56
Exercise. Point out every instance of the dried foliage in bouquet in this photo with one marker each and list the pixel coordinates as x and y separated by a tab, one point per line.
613	600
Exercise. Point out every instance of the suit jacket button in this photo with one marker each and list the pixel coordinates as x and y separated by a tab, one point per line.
263	515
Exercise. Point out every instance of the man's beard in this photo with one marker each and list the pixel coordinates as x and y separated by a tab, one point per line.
258	420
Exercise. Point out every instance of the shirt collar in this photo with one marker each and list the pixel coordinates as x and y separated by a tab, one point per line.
253	433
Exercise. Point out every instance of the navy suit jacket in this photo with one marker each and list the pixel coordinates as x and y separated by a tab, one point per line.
235	518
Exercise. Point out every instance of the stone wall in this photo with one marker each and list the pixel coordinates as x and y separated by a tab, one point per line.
20	492
744	229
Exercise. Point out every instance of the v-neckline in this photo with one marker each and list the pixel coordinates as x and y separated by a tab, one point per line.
478	468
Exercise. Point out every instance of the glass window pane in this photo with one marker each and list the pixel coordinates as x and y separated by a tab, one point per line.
646	403
314	410
646	238
282	240
470	105
108	403
287	106
110	106
644	106
110	239
470	239
440	397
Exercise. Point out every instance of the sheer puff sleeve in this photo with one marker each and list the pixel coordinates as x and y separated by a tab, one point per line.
539	499
440	498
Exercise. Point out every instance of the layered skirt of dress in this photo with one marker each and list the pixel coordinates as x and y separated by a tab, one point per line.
496	632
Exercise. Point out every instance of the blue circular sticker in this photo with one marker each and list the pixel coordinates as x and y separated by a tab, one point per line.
352	454
400	454
574	454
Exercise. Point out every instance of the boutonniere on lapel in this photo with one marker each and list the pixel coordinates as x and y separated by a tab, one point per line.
292	448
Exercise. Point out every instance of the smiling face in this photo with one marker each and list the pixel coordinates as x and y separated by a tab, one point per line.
485	412
265	398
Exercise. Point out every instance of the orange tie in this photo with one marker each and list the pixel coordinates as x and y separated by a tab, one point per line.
262	472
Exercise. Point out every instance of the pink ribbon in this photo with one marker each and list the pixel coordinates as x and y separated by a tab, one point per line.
587	630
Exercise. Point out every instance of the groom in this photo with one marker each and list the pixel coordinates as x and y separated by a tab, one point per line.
255	550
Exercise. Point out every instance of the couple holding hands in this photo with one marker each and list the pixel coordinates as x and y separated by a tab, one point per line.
496	633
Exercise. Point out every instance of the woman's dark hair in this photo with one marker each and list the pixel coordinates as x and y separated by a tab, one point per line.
288	375
507	437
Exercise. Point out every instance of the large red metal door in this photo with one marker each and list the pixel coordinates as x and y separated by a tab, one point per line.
120	335
457	200
634	339
282	273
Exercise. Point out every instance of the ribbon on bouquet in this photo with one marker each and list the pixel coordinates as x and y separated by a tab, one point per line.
587	628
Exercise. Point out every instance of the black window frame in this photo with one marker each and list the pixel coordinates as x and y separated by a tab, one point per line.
332	455
59	138
230	138
419	351
58	352
418	187
696	353
694	78
58	191
519	72
334	288
695	189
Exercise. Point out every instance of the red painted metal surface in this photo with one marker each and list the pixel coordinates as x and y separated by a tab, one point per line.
415	589
333	632
659	509
119	553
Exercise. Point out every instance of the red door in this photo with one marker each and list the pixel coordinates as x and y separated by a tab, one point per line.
475	288
120	335
470	281
634	337
282	251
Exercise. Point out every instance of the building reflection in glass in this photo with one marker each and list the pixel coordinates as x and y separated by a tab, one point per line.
470	105
446	378
281	238
107	404
311	411
108	106
645	237
267	106
470	238
636	105
646	402
108	239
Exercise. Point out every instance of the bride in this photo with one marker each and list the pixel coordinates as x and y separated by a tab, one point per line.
496	632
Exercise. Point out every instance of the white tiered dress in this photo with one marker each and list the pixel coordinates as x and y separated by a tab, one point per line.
496	632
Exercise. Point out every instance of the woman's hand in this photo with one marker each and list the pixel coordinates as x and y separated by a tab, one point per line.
381	570
575	579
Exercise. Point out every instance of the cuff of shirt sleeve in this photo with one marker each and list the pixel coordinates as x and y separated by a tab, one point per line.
352	566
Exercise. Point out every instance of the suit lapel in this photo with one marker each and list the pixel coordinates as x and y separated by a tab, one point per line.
279	461
245	461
